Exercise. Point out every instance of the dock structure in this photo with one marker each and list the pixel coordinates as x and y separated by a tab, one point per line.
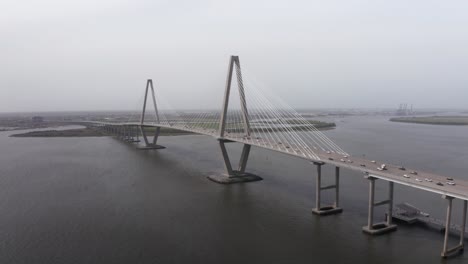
412	215
281	130
409	214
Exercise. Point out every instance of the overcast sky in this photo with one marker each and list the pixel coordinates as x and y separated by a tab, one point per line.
96	54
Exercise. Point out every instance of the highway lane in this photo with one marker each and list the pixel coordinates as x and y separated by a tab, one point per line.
418	179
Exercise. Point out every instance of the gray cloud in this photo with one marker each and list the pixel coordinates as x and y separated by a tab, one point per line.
96	55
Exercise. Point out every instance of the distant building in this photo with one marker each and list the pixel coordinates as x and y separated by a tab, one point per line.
404	110
37	119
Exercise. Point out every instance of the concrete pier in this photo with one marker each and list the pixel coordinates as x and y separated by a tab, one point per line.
446	251
150	146
234	176
328	209
147	144
382	227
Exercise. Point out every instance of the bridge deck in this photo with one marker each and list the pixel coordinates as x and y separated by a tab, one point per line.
422	180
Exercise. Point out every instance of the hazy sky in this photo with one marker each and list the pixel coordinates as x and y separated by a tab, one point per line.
97	54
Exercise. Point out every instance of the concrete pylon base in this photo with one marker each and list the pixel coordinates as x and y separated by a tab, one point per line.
238	177
379	229
327	210
453	252
151	147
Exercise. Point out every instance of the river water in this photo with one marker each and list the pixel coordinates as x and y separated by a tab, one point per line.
99	200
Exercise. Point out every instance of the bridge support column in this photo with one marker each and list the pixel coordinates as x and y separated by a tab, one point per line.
330	209
382	227
120	133
447	252
150	145
137	133
133	134
234	176
126	133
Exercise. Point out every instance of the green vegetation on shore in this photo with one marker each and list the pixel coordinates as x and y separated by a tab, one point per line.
315	123
296	125
165	131
256	126
91	132
266	126
321	126
434	120
80	132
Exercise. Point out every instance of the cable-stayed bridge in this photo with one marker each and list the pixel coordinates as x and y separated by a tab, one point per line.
255	117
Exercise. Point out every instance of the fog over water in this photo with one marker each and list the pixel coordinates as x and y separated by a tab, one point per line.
88	55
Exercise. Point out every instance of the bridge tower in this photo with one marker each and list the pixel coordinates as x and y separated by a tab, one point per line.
157	130
231	175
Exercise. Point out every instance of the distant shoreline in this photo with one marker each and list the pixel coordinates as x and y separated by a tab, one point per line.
88	132
434	120
93	132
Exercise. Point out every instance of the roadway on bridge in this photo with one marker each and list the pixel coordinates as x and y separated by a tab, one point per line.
410	177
